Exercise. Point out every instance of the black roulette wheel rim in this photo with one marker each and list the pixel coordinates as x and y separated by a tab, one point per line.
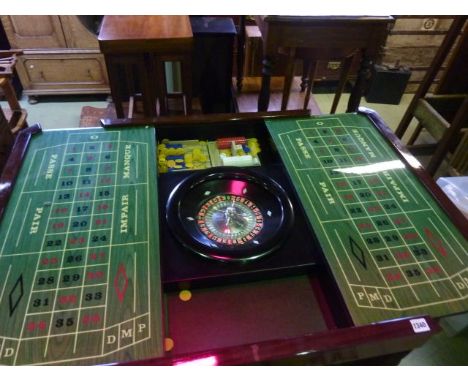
253	208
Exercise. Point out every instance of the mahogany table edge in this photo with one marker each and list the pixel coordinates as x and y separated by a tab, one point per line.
203	118
312	345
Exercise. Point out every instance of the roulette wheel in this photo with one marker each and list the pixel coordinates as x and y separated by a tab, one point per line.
229	214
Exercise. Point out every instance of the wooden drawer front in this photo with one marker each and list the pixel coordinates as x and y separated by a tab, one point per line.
56	70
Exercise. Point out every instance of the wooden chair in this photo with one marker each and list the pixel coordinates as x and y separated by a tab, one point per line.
444	114
310	57
17	116
445	118
435	113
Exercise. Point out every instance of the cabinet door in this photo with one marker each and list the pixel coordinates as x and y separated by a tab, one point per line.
33	32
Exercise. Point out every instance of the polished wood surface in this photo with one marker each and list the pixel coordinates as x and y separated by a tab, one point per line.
327	37
202	118
330	347
126	34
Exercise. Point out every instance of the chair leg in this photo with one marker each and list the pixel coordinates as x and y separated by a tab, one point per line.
311	76
115	86
415	135
186	65
161	89
288	78
128	69
149	102
10	95
342	83
305	74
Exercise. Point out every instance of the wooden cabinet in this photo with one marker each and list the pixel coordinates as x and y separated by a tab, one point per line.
61	56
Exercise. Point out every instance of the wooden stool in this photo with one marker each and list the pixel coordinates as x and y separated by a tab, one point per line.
17	119
310	57
135	50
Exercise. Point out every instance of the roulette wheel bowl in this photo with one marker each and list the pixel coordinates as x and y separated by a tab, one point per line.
229	214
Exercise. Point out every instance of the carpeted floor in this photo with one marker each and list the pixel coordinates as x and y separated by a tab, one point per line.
91	116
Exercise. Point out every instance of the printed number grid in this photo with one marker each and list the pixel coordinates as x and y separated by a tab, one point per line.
72	277
77	275
327	157
70	286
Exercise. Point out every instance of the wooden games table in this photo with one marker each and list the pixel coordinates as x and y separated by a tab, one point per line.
87	276
329	37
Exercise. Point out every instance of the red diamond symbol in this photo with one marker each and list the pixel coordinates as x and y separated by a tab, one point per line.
121	282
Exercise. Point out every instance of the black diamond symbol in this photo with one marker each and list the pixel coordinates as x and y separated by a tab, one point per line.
16	294
358	253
